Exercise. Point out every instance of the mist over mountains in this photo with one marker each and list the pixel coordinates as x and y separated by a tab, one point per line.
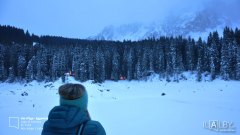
214	16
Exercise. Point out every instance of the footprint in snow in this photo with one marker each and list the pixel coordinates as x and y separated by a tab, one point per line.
13	92
24	94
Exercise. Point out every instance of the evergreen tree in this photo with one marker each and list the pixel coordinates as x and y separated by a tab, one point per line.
213	71
100	66
190	54
225	67
30	70
213	58
200	59
62	67
2	68
82	69
107	52
115	66
179	67
55	69
59	65
80	64
169	64
216	45
173	52
224	62
90	62
11	76
238	63
41	64
40	75
212	68
151	61
2	71
124	62
199	73
130	65
205	57
160	61
138	73
21	67
76	62
232	53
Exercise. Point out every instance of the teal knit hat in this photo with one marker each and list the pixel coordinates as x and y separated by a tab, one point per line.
73	95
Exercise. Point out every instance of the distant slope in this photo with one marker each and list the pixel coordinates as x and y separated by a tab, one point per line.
188	24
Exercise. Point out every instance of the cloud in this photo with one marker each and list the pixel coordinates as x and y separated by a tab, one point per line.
229	8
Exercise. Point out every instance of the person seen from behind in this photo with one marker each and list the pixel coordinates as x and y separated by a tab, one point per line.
71	117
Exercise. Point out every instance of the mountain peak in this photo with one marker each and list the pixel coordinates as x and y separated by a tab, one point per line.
194	24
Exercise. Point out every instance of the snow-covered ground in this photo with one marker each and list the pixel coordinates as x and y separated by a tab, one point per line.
130	108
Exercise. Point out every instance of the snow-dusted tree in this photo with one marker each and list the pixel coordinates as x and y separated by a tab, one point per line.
138	73
41	64
200	59
232	53
80	63
145	60
238	63
21	67
55	66
42	56
160	60
62	62
151	60
190	54
58	65
130	65
76	62
3	75
212	53
11	75
30	69
2	70
62	67
115	65
108	55
83	67
123	64
225	67
169	64
89	54
173	53
205	57
217	47
40	75
212	68
100	66
199	72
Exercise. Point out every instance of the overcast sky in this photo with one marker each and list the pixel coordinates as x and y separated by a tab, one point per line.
84	18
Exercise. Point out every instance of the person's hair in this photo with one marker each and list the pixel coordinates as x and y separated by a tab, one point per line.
71	91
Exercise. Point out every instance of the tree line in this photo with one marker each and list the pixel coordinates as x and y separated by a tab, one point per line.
25	57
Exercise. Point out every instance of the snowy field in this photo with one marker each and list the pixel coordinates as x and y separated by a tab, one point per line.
130	108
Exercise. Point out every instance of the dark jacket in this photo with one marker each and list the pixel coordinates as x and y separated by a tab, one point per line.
66	120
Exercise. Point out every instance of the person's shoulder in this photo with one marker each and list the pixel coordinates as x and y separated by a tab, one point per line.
94	128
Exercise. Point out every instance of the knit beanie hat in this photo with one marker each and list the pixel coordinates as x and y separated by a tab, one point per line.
73	95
